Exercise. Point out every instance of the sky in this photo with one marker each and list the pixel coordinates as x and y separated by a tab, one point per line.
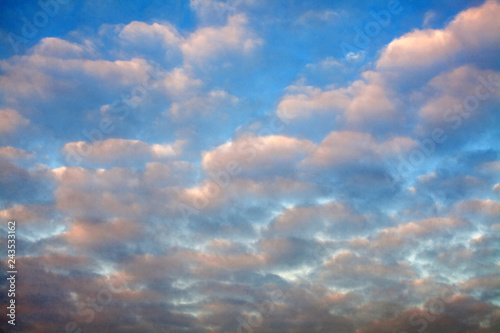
251	166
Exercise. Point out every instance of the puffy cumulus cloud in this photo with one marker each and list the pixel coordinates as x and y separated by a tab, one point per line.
12	153
333	218
369	100
138	32
210	42
306	101
459	93
180	84
346	147
39	72
203	44
122	192
62	49
11	121
72	176
463	84
120	151
424	47
261	155
473	31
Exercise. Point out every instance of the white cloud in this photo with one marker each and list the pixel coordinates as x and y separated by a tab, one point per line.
11	121
254	153
119	151
139	32
211	42
455	88
13	153
340	148
365	101
62	49
471	31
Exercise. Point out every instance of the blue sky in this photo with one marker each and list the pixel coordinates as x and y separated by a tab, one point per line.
250	165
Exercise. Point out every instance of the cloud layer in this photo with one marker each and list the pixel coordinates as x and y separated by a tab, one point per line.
221	166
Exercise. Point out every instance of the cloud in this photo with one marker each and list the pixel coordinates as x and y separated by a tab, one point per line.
121	192
438	315
20	185
488	209
463	87
121	151
365	101
32	214
472	30
344	148
213	10
88	234
62	49
179	83
306	101
45	75
202	45
207	215
428	18
315	16
348	269
138	32
211	42
12	153
408	234
333	218
11	121
251	154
